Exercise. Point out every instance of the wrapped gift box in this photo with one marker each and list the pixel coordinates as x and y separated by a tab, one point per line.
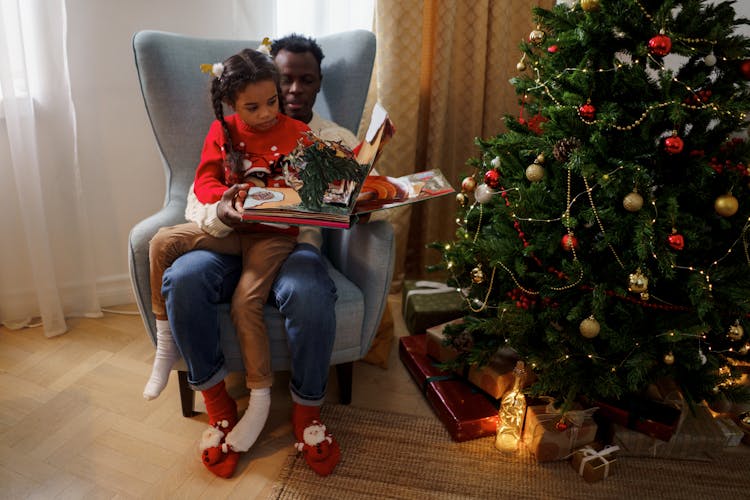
436	349
594	465
652	418
466	412
700	438
413	353
731	431
495	378
429	303
546	442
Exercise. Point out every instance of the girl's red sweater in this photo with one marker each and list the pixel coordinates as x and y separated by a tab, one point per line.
260	151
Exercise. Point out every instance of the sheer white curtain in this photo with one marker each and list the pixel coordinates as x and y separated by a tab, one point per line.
45	245
260	18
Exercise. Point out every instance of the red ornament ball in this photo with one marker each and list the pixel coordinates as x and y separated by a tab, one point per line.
569	242
676	241
587	111
552	49
745	69
492	178
561	425
660	45
673	145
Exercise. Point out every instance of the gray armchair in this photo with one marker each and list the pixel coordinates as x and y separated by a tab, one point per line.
360	259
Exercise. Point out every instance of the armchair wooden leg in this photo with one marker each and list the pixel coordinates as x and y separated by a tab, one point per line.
187	395
344	374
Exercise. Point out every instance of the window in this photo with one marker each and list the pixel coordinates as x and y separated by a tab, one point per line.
323	17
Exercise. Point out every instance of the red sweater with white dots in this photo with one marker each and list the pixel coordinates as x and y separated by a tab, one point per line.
260	152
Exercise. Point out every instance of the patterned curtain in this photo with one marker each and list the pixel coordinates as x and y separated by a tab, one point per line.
442	72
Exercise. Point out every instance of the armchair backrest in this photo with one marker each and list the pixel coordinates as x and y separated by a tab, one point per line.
175	91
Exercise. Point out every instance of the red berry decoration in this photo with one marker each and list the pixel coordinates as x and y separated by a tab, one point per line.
660	45
745	69
492	178
569	242
673	145
587	111
561	425
676	241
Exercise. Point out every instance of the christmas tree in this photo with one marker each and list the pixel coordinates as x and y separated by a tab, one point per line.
604	235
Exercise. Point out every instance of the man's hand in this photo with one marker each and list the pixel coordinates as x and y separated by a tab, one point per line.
229	208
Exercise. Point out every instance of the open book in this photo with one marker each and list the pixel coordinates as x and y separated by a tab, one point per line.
330	185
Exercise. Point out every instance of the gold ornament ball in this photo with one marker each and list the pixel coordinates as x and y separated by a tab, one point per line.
632	202
537	36
735	332
521	66
726	205
461	199
637	282
477	276
535	172
589	327
468	184
590	5
669	358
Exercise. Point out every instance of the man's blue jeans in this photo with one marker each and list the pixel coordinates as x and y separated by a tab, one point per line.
200	280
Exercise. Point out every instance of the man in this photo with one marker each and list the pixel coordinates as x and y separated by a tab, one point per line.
304	293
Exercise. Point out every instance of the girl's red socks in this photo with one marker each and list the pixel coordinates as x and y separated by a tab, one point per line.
320	449
222	417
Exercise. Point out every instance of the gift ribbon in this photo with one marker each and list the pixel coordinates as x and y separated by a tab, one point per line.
436	378
589	454
575	417
429	287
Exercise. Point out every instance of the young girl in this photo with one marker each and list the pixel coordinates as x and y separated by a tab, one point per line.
241	148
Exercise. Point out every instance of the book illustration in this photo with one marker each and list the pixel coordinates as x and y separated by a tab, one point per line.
257	196
380	192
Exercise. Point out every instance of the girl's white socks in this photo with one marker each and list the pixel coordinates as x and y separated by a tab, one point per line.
247	430
166	356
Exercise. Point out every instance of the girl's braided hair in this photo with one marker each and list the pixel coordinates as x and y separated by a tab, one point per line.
247	66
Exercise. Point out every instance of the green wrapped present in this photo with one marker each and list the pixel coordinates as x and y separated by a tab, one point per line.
429	303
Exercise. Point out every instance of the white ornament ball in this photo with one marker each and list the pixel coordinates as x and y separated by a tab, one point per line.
710	59
483	193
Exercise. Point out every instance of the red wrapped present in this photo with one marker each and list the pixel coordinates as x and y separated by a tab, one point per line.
652	418
495	378
466	412
548	435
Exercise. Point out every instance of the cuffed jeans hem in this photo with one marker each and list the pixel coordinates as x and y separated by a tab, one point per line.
214	379
305	401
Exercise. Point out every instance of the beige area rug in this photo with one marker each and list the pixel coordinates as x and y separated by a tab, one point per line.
388	455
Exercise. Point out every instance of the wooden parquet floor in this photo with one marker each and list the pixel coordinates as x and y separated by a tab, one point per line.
73	423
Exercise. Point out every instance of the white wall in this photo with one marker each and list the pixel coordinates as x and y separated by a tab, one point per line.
120	166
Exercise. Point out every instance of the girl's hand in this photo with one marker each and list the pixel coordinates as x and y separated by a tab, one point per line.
229	208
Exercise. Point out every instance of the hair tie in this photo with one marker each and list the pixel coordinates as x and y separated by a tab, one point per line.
265	46
216	69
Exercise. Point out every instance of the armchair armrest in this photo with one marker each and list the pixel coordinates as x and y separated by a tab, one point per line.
365	254
138	264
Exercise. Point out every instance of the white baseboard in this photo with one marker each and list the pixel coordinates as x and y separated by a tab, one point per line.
114	291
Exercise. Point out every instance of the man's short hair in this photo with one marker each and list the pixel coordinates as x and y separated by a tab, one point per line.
298	44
